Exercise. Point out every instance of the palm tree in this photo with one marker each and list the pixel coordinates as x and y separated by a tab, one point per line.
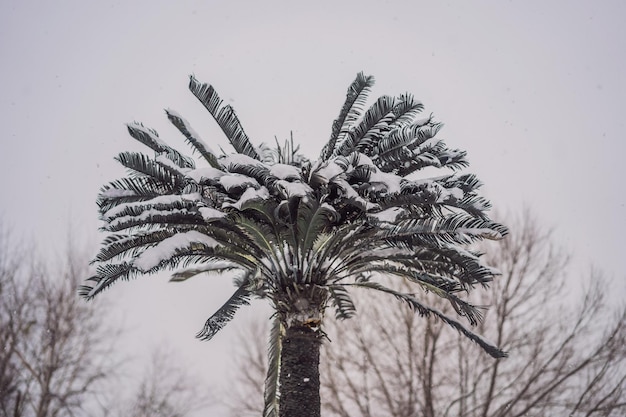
302	233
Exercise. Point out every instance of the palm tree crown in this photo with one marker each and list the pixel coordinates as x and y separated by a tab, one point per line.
301	233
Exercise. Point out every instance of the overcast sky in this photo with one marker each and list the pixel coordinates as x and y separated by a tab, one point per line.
533	90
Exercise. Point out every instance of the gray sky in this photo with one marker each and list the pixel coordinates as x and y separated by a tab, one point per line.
533	90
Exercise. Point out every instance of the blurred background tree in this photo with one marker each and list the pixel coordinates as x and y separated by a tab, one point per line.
58	354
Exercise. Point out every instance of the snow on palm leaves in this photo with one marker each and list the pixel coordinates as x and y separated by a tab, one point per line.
287	224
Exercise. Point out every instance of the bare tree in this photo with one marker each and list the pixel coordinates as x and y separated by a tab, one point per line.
567	350
57	355
165	390
50	365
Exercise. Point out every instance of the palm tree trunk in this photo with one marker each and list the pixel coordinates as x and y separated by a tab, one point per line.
299	373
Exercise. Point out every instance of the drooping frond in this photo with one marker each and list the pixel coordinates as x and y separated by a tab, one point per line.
350	112
225	117
193	138
426	311
106	275
272	383
214	266
225	314
341	300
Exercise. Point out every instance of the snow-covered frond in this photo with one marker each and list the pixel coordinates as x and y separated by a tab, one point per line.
256	171
272	383
428	200
151	139
193	138
130	189
144	219
342	302
225	117
286	172
152	257
350	112
142	164
238	183
427	311
214	266
292	189
206	175
457	229
370	129
225	314
161	203
119	245
403	139
249	195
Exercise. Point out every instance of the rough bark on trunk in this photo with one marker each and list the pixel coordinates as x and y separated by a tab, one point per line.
299	373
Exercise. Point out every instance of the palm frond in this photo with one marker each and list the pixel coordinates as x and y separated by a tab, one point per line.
106	275
405	110
193	138
427	311
341	300
225	117
225	314
370	129
215	266
150	138
272	383
119	245
350	112
313	220
145	165
130	189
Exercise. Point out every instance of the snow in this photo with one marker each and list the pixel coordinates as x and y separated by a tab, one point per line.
390	181
390	215
162	199
241	159
154	137
209	213
285	172
143	216
191	131
165	249
250	194
117	193
164	160
215	266
330	170
209	173
295	189
350	192
230	181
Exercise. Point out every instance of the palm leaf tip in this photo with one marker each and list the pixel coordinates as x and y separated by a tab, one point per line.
225	117
225	314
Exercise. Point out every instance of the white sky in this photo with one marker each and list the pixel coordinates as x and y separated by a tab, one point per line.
533	90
